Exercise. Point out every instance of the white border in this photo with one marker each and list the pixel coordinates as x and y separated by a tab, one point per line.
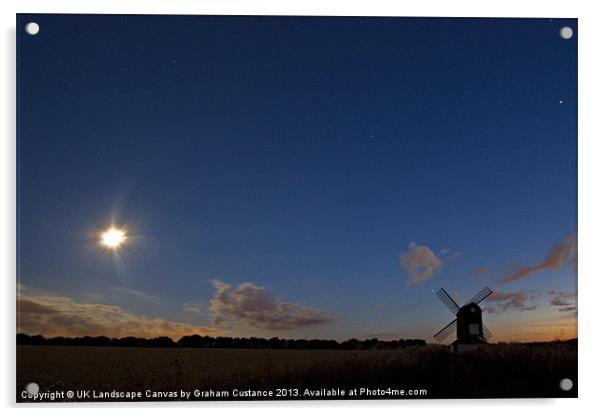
590	206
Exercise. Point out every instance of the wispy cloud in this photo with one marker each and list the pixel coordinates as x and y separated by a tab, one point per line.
197	307
500	301
63	316
565	300
479	272
136	293
255	306
450	254
563	252
420	263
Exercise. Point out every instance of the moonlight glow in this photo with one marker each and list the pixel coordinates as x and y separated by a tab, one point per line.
112	238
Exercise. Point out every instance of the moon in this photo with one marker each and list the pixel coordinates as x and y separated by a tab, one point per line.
32	28
113	238
566	32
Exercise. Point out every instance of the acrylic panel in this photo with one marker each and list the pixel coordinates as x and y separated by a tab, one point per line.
295	208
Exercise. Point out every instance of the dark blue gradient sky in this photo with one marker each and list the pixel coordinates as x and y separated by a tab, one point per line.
302	155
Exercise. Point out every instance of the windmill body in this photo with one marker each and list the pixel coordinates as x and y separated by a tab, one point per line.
470	331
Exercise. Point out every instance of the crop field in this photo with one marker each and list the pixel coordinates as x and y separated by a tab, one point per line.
511	370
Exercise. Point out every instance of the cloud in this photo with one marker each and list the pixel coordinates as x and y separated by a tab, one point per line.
197	307
62	316
565	300
479	272
420	263
451	255
561	253
254	306
136	293
503	301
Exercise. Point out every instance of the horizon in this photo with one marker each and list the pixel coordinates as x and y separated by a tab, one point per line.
295	177
177	340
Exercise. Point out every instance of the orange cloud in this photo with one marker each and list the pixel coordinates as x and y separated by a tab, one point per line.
62	316
561	253
420	263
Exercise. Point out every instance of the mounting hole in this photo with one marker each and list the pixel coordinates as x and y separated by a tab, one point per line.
566	384
32	28
32	388
566	32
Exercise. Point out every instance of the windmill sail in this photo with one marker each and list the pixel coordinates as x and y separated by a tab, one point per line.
486	332
445	332
479	297
448	301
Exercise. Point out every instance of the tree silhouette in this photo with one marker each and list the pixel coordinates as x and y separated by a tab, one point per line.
199	341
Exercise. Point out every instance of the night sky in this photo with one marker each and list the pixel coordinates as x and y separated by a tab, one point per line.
296	176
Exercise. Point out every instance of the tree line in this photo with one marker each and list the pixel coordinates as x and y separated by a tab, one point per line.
199	341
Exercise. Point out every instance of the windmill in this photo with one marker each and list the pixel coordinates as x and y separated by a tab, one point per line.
470	331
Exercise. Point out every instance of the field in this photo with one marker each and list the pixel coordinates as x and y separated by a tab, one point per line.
491	371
